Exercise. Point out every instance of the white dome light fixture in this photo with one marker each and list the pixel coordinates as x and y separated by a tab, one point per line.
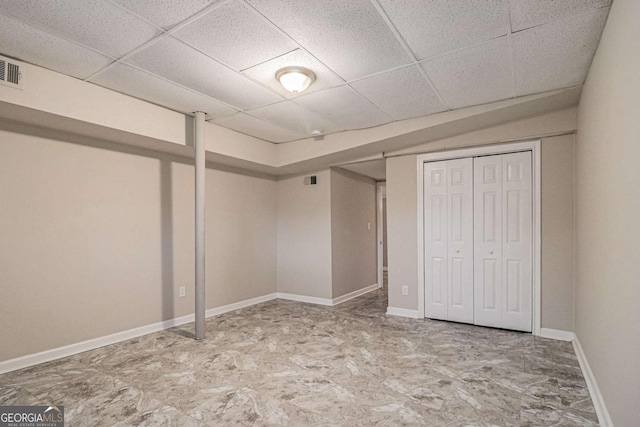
295	79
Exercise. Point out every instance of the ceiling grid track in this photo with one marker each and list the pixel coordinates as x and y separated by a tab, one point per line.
511	53
301	47
281	31
162	36
406	48
465	58
180	86
229	67
56	34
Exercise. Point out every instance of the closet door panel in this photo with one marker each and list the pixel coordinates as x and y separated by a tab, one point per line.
517	211
460	239
435	240
488	272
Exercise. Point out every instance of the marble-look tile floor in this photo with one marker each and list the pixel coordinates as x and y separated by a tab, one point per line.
288	363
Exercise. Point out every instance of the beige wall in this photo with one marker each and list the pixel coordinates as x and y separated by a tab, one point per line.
304	236
608	215
353	232
557	210
402	229
96	241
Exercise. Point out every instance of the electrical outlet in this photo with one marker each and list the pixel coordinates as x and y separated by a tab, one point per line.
369	225
183	291
405	290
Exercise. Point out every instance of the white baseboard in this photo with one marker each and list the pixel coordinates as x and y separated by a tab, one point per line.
596	397
216	311
70	350
304	298
556	334
403	312
354	294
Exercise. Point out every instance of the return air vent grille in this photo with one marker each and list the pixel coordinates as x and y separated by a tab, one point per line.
10	73
310	180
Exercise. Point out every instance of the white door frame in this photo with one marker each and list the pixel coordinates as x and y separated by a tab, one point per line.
379	233
534	147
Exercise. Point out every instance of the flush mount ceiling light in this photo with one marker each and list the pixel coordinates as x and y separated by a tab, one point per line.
295	79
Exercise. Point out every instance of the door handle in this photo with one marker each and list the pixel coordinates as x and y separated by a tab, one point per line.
490	252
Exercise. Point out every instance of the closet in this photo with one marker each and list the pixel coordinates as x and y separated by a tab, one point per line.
478	239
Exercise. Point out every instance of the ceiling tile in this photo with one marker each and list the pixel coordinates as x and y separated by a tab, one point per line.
292	116
439	26
29	44
259	128
473	76
401	93
557	55
165	13
94	23
236	35
344	107
265	73
137	83
178	62
528	13
350	37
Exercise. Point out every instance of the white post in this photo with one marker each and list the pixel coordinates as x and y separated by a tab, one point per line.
200	222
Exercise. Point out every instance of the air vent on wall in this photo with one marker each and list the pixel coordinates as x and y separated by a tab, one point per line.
10	73
310	180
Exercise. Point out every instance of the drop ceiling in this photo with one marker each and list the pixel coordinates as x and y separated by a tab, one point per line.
376	61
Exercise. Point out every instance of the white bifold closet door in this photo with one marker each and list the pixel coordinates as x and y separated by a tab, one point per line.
448	232
503	233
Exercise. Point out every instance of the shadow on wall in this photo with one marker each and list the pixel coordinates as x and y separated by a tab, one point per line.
166	162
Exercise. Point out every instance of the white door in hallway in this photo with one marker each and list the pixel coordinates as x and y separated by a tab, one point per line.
448	229
503	241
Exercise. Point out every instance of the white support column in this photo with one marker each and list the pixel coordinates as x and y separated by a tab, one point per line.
200	222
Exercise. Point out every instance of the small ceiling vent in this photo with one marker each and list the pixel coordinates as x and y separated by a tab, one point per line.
310	180
11	73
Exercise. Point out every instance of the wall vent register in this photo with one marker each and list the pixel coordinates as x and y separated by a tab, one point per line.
310	180
10	73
